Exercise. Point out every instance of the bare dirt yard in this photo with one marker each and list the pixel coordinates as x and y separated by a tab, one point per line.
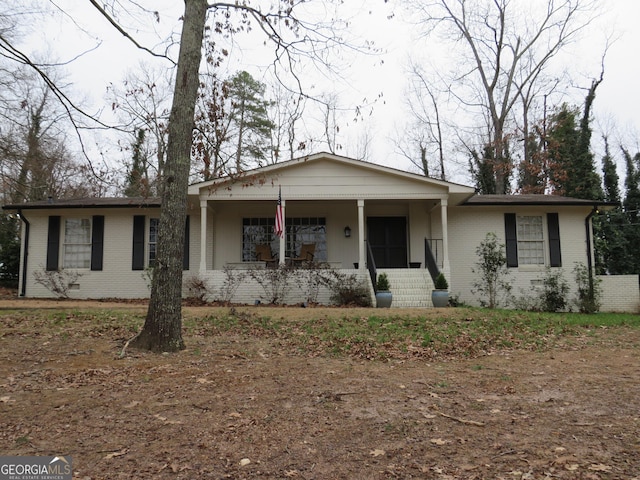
249	404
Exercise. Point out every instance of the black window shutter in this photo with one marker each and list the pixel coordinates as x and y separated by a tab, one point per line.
53	243
185	258
97	241
512	239
137	259
553	227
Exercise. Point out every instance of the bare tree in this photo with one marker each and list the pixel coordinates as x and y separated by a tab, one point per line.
506	45
17	19
426	135
331	128
162	330
411	143
163	324
290	36
35	161
286	114
143	104
362	144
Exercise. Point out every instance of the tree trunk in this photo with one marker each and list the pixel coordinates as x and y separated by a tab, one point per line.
162	330
32	189
240	135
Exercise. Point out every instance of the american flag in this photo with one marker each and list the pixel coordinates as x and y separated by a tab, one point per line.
279	229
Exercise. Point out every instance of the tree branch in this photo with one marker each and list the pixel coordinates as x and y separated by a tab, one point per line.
115	24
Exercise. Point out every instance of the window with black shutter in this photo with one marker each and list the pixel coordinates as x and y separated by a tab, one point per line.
525	242
53	243
137	260
97	242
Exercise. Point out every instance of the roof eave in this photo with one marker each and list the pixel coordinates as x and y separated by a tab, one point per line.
513	200
90	203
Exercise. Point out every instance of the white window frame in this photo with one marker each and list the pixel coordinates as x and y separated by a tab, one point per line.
76	246
531	242
298	230
152	241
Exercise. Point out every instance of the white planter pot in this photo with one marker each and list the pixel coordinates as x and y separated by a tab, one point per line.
440	298
383	299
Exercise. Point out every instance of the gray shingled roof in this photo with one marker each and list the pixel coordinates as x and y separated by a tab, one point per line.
139	202
120	202
534	200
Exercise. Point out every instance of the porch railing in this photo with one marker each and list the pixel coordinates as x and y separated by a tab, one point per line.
433	255
371	266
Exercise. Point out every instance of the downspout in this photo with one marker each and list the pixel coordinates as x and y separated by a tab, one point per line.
587	226
25	254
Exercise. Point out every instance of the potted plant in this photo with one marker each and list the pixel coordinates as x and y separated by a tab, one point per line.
440	296
383	292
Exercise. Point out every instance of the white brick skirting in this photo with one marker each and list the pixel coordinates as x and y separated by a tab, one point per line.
620	293
247	291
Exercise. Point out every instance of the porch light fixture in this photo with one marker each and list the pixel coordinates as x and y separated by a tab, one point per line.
347	231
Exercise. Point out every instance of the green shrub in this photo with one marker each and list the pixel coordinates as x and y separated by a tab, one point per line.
553	297
382	284
441	282
347	289
526	302
588	295
491	272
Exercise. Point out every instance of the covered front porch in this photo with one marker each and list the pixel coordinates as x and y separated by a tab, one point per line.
358	237
344	233
352	216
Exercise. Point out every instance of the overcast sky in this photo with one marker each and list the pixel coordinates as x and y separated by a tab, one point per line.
380	78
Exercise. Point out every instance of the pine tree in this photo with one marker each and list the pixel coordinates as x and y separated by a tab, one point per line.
631	206
483	170
562	140
610	175
9	250
586	182
137	178
572	170
612	254
249	114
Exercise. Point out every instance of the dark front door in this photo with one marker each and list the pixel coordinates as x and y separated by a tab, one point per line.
388	240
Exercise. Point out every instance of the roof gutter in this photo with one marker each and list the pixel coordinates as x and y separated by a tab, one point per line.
25	253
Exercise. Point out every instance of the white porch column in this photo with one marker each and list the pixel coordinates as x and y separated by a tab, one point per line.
445	237
203	236
362	254
283	240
